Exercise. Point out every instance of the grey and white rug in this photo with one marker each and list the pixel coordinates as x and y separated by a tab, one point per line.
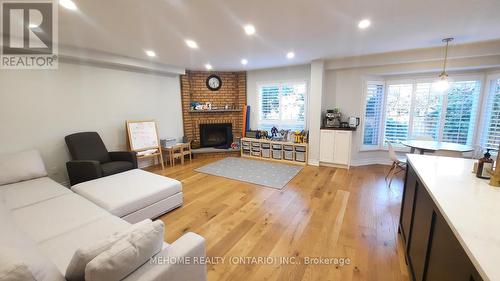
266	173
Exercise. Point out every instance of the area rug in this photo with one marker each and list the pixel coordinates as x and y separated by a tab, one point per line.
266	173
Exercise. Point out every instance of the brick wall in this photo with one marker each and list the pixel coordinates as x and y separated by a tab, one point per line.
233	93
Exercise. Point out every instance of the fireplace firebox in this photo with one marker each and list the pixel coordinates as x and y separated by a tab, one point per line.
216	135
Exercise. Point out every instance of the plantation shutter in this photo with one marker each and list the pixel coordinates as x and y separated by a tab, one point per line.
491	139
397	114
269	102
373	113
282	105
461	111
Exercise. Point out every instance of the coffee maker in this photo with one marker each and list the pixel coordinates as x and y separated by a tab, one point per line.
332	118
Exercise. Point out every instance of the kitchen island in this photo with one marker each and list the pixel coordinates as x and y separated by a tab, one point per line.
450	221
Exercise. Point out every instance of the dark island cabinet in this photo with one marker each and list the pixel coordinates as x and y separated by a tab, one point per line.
433	252
407	205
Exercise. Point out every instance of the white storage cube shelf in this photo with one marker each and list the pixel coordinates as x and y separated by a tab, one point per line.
286	152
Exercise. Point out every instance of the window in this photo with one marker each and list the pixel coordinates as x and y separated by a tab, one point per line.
373	113
426	111
491	137
282	105
413	108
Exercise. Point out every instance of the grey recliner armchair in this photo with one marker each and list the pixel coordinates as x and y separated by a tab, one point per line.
91	159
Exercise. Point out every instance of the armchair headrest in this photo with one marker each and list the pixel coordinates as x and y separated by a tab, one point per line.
87	146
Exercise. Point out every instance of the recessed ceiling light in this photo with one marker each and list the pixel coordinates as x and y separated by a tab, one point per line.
290	55
249	29
364	24
208	66
68	4
244	61
150	53
191	44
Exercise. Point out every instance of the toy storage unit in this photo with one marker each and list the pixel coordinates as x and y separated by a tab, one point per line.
245	147
265	150
285	152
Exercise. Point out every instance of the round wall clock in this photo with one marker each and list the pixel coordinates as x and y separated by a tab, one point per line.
214	82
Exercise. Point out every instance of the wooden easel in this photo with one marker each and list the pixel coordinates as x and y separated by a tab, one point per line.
143	136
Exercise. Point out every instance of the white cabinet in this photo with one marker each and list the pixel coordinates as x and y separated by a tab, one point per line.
335	147
327	146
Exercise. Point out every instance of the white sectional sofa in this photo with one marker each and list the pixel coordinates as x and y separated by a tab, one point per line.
133	195
43	223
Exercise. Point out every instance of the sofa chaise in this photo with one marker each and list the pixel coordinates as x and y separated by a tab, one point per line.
43	224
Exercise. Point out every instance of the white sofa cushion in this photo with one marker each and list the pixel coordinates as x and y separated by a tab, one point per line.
127	192
17	247
10	271
22	194
21	166
82	256
127	254
61	248
56	216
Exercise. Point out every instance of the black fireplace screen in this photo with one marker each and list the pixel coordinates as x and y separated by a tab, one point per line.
216	135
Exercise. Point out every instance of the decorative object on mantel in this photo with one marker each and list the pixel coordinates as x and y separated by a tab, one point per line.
208	106
214	110
495	177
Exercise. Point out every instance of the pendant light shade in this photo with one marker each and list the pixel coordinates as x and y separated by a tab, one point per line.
442	84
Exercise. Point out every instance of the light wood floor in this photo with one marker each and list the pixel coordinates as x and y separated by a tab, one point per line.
322	212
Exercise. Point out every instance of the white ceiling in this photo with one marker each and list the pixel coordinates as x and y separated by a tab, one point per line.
313	29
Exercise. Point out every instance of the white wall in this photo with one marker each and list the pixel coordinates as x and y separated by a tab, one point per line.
344	88
39	107
254	77
314	109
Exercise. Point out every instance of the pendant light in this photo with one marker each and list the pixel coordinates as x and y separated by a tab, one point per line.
442	83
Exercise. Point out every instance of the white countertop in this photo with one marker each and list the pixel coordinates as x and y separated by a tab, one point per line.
470	206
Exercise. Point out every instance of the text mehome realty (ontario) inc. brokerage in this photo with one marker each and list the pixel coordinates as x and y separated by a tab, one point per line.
30	34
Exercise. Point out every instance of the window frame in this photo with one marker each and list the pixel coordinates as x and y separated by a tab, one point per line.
480	117
280	83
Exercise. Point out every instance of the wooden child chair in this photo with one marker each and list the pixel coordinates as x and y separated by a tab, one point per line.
176	152
186	150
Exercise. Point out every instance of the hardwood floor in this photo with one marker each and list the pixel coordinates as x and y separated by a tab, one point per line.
323	212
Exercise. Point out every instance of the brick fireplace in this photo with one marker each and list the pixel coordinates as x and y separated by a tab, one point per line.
232	93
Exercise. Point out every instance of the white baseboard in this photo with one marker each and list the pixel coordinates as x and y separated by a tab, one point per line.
371	161
313	162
